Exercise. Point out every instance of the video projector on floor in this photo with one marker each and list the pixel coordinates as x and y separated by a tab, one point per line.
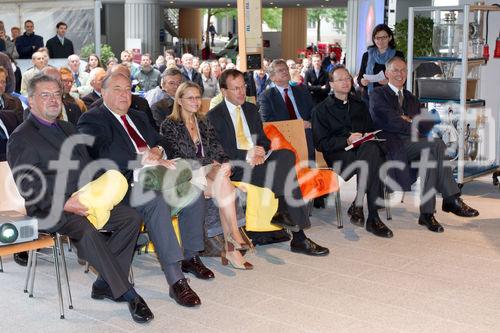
17	228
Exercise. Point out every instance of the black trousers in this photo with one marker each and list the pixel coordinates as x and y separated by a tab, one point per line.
279	175
368	181
437	178
110	256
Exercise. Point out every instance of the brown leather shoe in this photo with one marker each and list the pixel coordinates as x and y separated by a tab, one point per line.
458	207
357	216
182	293
196	267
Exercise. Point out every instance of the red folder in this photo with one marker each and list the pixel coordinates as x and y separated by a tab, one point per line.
365	138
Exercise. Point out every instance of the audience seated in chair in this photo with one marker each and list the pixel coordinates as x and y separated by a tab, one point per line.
40	141
396	111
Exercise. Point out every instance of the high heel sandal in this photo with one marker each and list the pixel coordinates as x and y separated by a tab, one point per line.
227	258
246	246
248	242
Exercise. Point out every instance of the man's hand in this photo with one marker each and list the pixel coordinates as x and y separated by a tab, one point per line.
152	156
353	137
406	118
169	164
307	124
364	82
255	156
73	205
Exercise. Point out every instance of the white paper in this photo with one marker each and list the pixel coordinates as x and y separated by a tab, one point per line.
374	78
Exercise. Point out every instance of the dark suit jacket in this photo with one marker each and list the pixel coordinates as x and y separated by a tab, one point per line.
138	103
11	78
161	110
58	50
333	122
178	143
89	99
111	139
273	107
10	121
35	144
26	45
226	134
314	84
196	78
14	104
386	114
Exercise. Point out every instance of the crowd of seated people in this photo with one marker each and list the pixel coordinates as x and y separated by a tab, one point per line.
135	133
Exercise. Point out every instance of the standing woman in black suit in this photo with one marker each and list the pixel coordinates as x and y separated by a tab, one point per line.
374	59
189	135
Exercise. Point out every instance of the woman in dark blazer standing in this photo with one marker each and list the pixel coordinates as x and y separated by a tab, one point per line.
189	135
374	59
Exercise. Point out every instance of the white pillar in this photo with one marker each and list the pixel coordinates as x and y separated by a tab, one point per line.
142	20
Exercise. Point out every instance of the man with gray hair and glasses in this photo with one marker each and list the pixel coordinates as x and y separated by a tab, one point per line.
33	149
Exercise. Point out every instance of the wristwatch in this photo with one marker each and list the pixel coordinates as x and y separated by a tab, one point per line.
162	150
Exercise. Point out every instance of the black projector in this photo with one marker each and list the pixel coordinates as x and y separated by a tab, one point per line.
17	228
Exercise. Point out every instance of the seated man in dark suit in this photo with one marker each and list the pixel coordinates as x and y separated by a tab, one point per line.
95	80
121	135
393	110
316	80
138	103
239	130
38	142
171	79
7	101
338	121
285	102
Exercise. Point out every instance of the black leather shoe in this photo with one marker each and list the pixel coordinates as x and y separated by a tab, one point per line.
282	219
139	310
21	258
459	207
319	202
98	293
308	247
378	228
430	222
196	267
182	293
357	216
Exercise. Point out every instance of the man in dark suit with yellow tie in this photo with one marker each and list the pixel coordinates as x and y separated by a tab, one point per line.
239	129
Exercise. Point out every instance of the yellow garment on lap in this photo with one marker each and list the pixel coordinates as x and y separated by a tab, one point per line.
261	207
101	195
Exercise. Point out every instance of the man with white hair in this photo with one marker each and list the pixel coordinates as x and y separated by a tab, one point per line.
95	80
188	72
38	61
81	77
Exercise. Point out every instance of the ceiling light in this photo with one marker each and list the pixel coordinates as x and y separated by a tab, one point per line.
298	5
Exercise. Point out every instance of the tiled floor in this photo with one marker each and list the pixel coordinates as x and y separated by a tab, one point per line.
417	281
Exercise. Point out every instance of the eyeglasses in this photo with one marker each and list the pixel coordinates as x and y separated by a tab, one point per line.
193	98
237	89
382	37
174	83
47	95
343	79
281	70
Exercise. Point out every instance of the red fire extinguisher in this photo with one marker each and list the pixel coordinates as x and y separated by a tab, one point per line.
497	48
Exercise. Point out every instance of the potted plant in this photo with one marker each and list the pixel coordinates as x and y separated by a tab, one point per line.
422	39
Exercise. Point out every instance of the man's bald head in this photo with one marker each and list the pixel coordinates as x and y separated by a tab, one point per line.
120	68
52	72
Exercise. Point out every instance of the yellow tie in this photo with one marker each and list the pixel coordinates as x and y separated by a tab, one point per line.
241	139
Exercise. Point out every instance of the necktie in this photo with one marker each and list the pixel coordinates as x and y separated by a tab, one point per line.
1	103
77	80
400	98
289	106
139	142
241	139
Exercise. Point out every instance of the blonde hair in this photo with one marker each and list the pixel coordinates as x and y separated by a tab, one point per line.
177	109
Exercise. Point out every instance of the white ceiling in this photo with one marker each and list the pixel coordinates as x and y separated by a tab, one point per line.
265	3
